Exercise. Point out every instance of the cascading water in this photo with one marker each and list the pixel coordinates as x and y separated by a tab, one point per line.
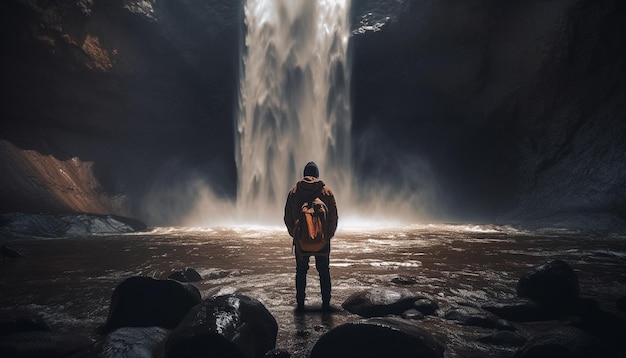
294	102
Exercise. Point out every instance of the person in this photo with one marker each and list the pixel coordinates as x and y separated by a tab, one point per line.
307	188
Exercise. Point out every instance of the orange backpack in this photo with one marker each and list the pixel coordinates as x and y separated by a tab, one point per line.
311	227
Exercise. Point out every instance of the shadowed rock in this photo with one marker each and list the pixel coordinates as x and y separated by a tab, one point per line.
186	275
553	284
145	302
404	280
377	337
504	338
471	316
426	306
380	301
224	326
42	344
126	342
22	324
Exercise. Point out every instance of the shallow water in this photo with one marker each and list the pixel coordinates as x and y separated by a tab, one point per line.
70	280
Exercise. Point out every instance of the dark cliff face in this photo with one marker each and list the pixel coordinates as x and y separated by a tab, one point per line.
143	90
516	109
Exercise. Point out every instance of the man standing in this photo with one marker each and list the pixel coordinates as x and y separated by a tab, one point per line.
308	188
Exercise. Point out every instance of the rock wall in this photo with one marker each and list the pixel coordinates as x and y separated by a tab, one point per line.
518	107
144	90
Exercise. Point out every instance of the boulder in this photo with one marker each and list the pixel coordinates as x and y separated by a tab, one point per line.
224	326
426	306
504	338
186	275
126	342
377	337
22	324
404	280
37	344
563	341
471	316
379	301
146	302
553	284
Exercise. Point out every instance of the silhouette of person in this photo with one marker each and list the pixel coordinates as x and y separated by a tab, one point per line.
310	186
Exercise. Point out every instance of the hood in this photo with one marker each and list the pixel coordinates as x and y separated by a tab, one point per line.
310	184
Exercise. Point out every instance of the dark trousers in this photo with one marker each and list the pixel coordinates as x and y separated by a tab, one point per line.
322	266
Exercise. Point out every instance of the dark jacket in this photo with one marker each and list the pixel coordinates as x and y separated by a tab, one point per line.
306	189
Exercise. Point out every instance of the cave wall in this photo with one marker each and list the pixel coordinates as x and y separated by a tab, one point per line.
514	110
517	106
142	90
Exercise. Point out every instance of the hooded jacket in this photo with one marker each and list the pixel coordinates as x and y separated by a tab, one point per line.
308	188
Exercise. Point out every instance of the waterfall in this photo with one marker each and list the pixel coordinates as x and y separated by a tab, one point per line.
294	102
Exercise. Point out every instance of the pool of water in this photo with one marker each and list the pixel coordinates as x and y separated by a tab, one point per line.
70	280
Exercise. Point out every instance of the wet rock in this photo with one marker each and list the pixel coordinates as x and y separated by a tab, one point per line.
604	325
378	301
224	326
426	306
472	316
553	284
377	337
505	325
564	341
48	225
146	302
277	353
22	324
504	338
37	344
8	253
520	310
404	280
412	314
216	273
192	275
585	307
126	342
186	275
177	276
